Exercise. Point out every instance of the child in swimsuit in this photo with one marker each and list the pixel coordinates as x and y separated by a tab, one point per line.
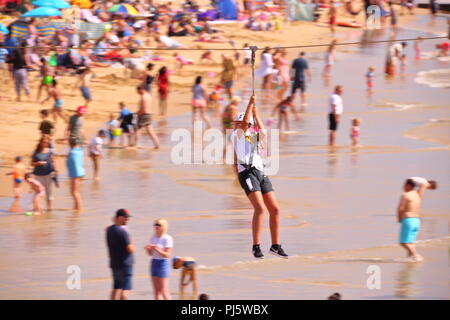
369	77
354	133
18	173
39	193
283	108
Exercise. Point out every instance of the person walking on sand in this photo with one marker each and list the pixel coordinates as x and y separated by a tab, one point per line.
55	94
257	186
299	67
336	110
19	66
199	102
144	115
39	193
73	131
283	113
229	73
121	258
163	90
95	151
75	167
18	174
160	249
329	59
84	80
282	64
44	165
408	214
126	124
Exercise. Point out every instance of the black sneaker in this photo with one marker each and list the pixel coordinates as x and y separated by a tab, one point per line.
276	250
257	253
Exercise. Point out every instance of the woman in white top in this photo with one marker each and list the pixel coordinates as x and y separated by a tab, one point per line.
160	248
266	70
257	186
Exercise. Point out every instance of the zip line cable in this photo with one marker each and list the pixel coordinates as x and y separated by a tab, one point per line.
235	49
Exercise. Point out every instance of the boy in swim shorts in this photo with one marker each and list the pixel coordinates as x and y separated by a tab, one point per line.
18	173
55	94
408	215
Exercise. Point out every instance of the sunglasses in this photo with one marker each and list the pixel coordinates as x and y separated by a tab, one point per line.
157	225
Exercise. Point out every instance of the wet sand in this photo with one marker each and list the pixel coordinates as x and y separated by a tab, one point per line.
338	204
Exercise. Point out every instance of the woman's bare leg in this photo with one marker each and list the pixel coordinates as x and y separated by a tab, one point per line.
257	202
274	211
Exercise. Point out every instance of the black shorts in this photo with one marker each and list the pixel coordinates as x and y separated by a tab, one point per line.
298	84
122	277
333	124
252	180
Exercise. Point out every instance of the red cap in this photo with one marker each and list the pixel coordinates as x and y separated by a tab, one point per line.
81	110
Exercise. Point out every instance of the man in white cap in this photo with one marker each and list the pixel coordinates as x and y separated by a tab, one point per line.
256	185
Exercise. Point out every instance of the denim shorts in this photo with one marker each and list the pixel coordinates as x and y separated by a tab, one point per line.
160	268
122	277
86	92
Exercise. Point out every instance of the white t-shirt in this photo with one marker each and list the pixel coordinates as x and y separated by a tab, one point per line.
165	241
420	181
336	99
244	150
96	141
247	53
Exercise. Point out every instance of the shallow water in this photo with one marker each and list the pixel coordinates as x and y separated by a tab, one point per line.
334	202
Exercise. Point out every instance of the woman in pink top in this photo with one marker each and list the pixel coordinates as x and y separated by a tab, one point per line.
282	64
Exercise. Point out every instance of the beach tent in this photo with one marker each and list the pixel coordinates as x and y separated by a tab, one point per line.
92	31
227	9
42	12
297	11
58	4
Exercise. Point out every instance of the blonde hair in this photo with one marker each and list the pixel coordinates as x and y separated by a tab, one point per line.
371	68
164	224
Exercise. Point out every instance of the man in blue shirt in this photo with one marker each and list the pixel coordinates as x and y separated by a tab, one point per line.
121	257
300	65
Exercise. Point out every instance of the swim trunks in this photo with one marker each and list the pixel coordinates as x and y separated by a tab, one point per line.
144	120
409	229
58	103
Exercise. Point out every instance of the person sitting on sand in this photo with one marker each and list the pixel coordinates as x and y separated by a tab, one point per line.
408	214
188	266
39	193
206	37
168	43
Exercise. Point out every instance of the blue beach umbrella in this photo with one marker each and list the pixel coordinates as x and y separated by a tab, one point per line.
3	29
58	4
42	12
